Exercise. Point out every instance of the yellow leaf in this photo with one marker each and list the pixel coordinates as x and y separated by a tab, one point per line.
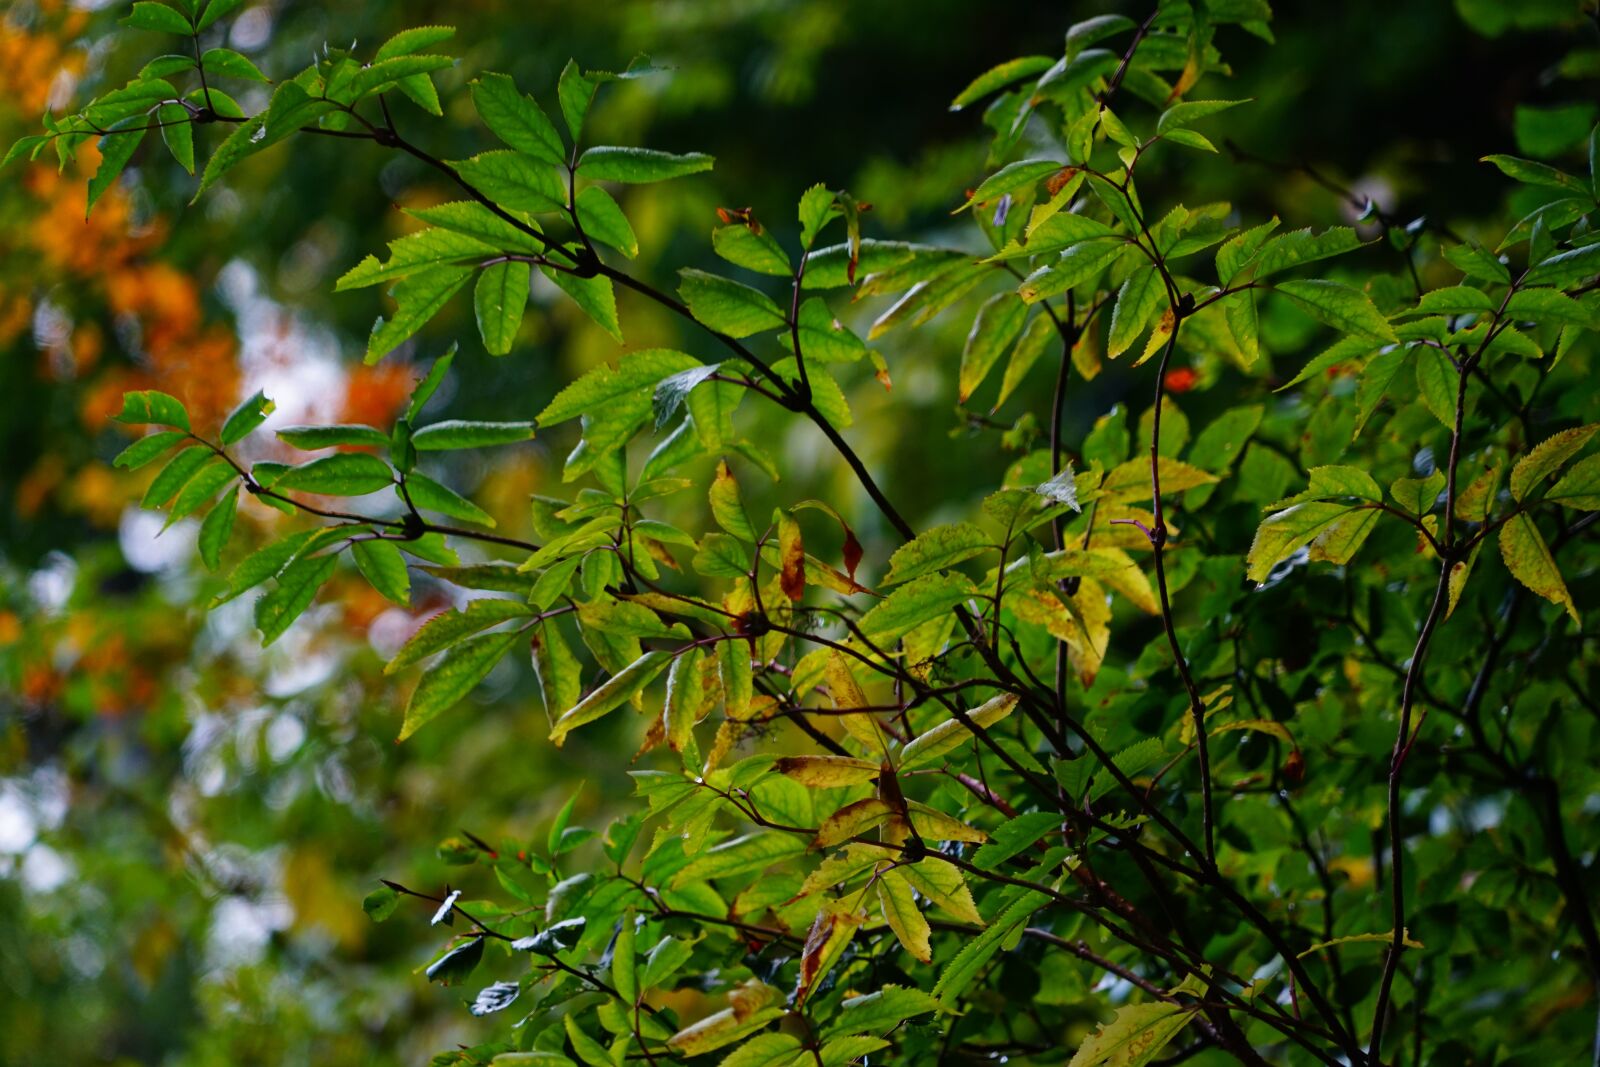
1529	561
821	772
850	820
900	911
950	734
1387	938
847	694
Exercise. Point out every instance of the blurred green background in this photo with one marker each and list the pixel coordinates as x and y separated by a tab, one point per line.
187	823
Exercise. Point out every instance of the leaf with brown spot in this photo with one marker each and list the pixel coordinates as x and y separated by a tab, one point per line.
792	553
849	821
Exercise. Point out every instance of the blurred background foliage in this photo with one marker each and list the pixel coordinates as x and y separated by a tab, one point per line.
188	823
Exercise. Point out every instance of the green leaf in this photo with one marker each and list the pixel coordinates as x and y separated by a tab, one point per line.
1022	174
476	221
1137	300
429	495
685	693
609	163
611	694
880	1012
1475	261
1281	534
1528	559
1029	347
454	966
997	324
419	298
575	93
1296	248
818	205
752	248
117	147
1580	486
147	449
430	383
1531	173
1223	440
296	589
383	565
175	475
726	507
1189	112
1418	495
217	528
384	75
1549	456
998	77
246	417
604	221
1013	836
1241	248
1340	307
150	407
665	959
244	141
380	903
449	627
963	970
456	674
935	743
1078	264
499	300
671	392
743	855
1135	1036
517	119
914	604
1376	378
631	383
594	296
409	42
178	133
314	438
1456	300
264	563
160	18
211	477
728	306
230	64
456	433
415	253
345	474
1548	305
1436	381
1566	268
515	181
935	549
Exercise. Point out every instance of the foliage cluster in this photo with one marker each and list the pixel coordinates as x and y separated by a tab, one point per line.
1256	727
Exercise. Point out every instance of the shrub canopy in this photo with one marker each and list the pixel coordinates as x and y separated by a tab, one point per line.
1211	686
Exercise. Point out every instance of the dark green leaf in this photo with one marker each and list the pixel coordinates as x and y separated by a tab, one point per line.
296	589
456	433
606	163
383	565
454	676
728	306
217	528
246	417
345	474
517	119
429	495
313	438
